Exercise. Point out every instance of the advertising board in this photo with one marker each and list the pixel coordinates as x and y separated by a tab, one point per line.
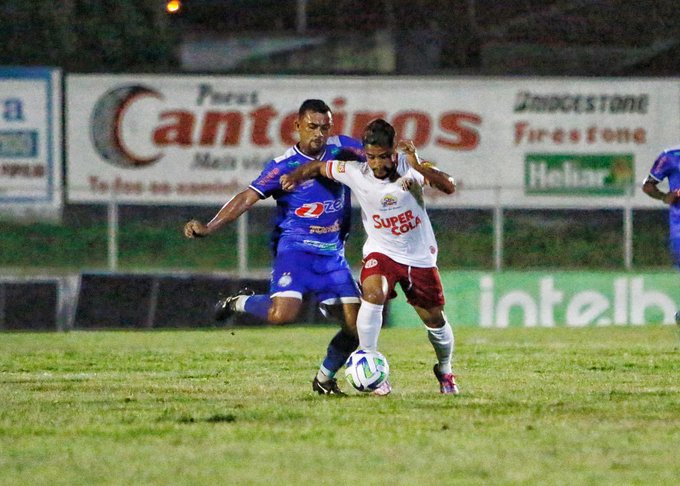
30	142
552	299
530	142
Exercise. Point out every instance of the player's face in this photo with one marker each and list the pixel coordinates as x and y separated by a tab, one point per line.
314	130
381	160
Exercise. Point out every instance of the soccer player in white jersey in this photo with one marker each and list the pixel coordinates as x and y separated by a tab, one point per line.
400	245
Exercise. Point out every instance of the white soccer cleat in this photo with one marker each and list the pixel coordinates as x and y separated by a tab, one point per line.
384	389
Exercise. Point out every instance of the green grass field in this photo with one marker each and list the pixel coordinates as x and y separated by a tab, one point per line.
234	406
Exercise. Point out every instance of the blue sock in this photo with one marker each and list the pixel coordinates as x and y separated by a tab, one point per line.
258	305
339	349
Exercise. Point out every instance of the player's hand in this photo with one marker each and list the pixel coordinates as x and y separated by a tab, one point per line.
673	197
288	183
405	183
195	229
406	147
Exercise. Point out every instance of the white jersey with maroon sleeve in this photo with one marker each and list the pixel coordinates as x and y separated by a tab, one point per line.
395	219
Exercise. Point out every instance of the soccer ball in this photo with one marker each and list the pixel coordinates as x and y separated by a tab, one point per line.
366	370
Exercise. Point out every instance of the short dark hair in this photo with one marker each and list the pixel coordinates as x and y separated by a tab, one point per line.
315	106
379	133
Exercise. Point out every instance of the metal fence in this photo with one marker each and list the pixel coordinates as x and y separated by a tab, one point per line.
495	237
119	236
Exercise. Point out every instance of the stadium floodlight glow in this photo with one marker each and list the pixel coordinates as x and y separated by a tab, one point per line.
173	6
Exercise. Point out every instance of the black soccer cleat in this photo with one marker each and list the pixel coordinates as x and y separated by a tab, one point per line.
329	387
224	307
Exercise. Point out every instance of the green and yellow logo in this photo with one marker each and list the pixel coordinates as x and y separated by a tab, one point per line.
578	174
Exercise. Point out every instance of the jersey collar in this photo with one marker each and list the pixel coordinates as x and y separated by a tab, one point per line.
308	157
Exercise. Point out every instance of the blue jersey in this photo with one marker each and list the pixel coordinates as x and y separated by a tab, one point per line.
314	217
667	166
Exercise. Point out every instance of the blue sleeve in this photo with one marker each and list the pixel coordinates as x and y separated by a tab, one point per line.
662	166
348	149
346	224
267	183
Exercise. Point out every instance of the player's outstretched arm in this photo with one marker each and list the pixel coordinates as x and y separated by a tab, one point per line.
236	206
435	177
650	187
307	171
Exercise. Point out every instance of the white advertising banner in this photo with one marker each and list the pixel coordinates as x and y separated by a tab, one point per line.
30	142
523	142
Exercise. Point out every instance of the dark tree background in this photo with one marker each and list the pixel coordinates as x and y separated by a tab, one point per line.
606	37
87	35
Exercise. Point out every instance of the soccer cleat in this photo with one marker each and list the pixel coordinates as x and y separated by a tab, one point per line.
329	387
384	389
225	306
677	318
447	381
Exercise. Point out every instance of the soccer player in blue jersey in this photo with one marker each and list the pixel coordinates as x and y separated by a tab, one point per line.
307	240
667	166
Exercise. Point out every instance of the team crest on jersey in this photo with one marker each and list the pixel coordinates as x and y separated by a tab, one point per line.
433	250
285	280
388	201
371	263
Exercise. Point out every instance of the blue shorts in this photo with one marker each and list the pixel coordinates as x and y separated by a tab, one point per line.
328	277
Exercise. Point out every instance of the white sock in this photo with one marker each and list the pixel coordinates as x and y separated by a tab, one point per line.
369	323
442	341
324	375
240	303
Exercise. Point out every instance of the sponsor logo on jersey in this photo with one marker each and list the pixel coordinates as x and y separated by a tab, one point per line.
273	174
399	224
310	210
371	263
316	209
388	201
321	245
285	280
322	230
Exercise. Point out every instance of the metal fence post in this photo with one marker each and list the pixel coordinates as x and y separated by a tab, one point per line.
628	229
243	245
498	231
113	232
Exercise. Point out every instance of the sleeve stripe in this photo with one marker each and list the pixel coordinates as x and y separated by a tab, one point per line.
329	169
261	194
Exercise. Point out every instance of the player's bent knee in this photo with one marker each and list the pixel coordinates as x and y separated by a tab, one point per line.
434	322
374	297
279	318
